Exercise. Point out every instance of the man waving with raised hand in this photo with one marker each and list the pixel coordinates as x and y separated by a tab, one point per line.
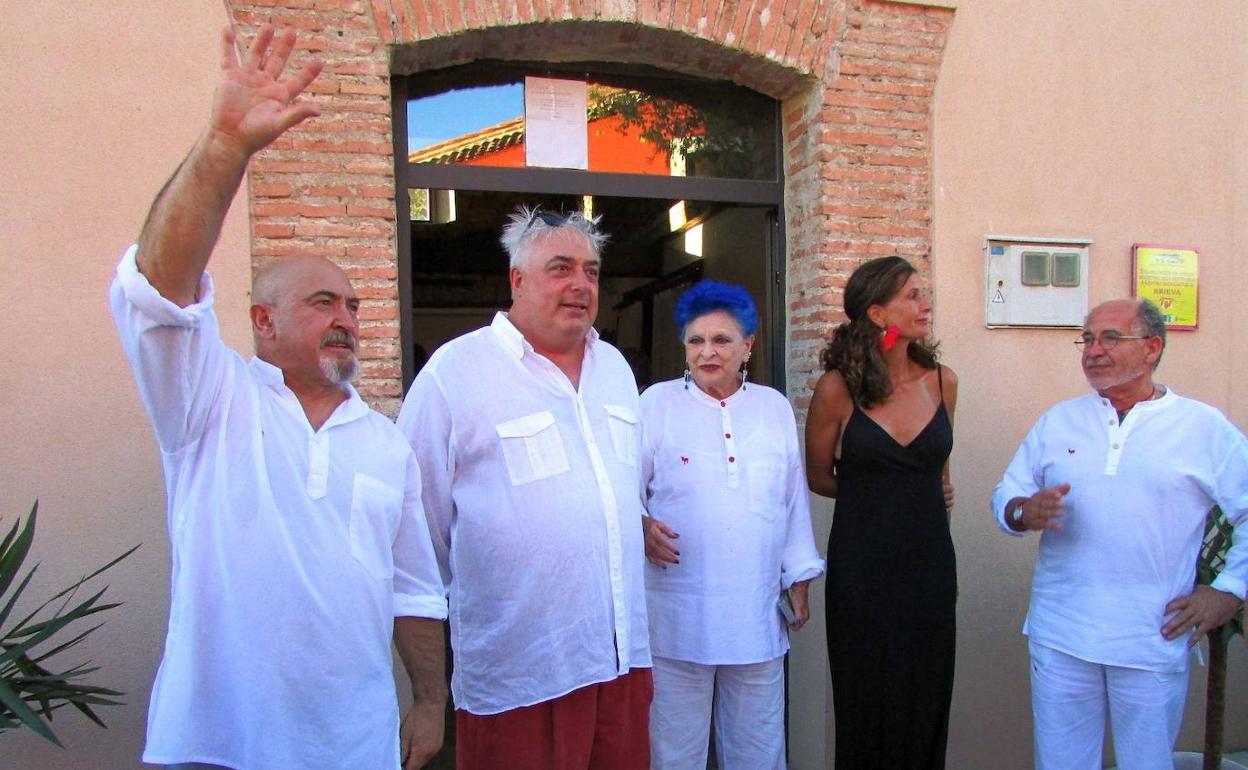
299	542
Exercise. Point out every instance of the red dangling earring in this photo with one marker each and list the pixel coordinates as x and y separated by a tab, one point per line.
888	340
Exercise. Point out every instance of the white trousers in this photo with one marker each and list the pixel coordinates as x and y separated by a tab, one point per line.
1070	698
748	703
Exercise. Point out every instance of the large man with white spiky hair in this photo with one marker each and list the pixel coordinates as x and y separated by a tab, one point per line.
527	434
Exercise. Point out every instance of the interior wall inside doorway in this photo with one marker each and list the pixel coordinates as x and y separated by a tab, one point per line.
459	273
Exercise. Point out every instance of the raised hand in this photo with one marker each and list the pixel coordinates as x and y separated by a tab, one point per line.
252	105
251	108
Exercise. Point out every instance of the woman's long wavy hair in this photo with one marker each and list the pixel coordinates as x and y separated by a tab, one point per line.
855	347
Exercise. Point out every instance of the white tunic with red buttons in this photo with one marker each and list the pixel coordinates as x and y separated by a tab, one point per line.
727	476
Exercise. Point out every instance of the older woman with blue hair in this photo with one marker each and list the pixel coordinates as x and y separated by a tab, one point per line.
729	541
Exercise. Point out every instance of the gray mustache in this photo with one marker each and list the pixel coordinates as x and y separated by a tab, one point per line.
339	338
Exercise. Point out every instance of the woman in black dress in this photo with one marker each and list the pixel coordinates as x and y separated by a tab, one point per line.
878	438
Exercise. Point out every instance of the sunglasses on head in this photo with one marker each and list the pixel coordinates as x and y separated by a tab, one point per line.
549	218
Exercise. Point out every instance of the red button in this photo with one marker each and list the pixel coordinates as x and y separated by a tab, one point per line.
732	459
727	435
723	403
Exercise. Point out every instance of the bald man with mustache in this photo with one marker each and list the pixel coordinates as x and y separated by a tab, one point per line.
299	543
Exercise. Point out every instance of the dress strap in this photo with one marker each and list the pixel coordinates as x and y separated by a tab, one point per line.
940	382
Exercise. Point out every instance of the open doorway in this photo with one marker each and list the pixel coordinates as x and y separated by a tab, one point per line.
657	247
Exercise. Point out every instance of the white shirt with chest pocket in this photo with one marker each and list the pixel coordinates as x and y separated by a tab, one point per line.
532	495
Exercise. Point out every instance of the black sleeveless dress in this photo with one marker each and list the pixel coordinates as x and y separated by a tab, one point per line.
891	591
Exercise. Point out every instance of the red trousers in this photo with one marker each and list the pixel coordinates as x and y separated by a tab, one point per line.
599	727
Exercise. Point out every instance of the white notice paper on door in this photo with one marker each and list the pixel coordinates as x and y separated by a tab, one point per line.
555	134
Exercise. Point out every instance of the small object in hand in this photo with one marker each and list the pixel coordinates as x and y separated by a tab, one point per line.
785	605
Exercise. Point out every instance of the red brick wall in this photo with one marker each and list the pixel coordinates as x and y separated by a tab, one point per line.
859	158
855	78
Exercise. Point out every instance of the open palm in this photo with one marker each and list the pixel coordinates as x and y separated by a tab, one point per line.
252	106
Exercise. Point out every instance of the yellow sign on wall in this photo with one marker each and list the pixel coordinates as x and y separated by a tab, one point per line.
1167	275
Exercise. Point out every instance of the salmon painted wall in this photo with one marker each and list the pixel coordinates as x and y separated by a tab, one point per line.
104	101
1119	122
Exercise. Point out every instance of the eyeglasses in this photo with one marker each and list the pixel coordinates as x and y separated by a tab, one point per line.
1107	340
549	218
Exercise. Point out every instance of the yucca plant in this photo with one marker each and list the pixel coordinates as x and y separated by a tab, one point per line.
1213	550
30	691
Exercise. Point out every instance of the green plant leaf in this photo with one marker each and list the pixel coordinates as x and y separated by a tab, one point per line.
14	703
45	629
15	550
73	588
65	645
30	691
83	610
86	711
17	592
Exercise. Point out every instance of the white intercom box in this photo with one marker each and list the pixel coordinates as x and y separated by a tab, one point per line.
1035	281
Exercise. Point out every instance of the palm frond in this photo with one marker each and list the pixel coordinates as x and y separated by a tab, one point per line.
30	691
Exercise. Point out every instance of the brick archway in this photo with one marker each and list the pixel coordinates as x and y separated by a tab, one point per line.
856	80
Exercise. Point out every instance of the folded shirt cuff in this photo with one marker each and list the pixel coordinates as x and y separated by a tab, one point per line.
1230	584
409	605
140	293
1006	528
805	571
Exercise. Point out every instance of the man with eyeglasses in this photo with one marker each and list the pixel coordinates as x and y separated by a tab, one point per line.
1119	483
527	435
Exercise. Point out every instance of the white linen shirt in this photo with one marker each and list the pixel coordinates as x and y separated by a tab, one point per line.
293	551
530	488
1140	491
727	476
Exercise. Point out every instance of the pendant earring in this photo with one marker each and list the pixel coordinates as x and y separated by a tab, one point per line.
745	366
888	339
687	377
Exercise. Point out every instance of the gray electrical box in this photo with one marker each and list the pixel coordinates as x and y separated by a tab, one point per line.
1035	281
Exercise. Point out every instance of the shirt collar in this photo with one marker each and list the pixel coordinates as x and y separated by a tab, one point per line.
1161	402
709	400
515	343
266	372
271	377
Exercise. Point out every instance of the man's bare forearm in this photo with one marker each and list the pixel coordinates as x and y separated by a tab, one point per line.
185	220
422	647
